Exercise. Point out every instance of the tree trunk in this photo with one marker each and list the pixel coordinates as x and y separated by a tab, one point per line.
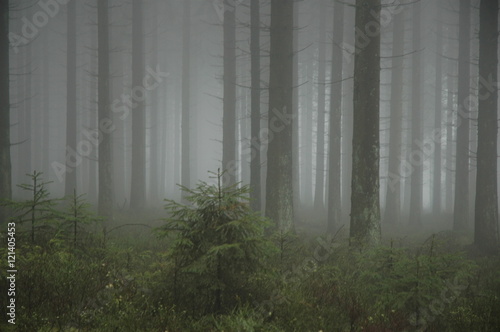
279	184
5	162
416	155
393	197
486	235
320	131
229	101
255	166
461	205
138	190
186	86
365	205
105	169
335	144
438	105
71	112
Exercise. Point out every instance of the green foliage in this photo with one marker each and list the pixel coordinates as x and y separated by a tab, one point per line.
75	218
218	243
39	210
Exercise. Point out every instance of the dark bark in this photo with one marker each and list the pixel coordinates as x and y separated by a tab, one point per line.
229	101
71	172
279	184
365	205
105	168
461	205
255	166
486	235
335	144
5	162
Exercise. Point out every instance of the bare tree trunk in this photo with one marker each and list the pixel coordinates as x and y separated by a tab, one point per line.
138	190
295	104
416	156
365	204
229	102
186	93
335	145
255	164
461	205
486	235
5	162
71	112
279	184
393	197
105	170
319	186
438	105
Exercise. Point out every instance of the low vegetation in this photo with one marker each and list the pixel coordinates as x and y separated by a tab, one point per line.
214	265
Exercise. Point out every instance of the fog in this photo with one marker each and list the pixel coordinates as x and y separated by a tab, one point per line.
131	98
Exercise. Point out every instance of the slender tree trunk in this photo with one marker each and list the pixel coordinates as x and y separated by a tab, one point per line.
319	186
279	184
5	162
186	86
71	112
255	164
461	205
335	145
486	235
138	190
105	169
295	111
229	102
154	111
438	105
450	165
393	197
416	156
365	204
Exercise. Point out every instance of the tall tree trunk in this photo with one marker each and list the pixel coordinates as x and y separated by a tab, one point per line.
393	197
229	101
365	202
186	86
154	111
320	131
138	190
295	111
279	184
416	156
335	144
5	162
105	169
438	105
255	164
450	165
71	112
461	205
486	235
